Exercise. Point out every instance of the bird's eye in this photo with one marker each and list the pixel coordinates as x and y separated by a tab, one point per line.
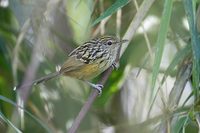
109	43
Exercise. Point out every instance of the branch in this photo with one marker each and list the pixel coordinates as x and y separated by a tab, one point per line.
128	36
89	102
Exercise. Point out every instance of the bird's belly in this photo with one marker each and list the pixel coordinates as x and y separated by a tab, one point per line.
85	72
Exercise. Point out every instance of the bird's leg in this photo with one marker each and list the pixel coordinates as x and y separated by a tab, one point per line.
96	86
115	65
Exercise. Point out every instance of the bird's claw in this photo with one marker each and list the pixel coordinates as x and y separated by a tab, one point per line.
115	65
98	87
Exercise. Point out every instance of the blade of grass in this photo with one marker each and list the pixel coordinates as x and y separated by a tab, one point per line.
190	13
179	124
160	44
114	7
178	58
185	124
186	100
9	122
183	75
5	99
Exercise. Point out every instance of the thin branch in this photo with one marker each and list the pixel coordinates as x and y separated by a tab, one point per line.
16	50
97	30
128	35
141	13
118	22
89	102
103	22
145	34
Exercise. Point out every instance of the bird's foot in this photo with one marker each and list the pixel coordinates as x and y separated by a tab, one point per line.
98	87
115	65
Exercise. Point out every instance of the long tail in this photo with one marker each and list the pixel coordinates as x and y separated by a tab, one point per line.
46	78
40	80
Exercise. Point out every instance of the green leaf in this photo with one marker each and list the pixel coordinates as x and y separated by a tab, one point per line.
160	43
5	79
118	4
190	12
179	124
110	88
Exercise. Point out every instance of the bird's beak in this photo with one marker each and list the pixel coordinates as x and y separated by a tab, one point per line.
123	41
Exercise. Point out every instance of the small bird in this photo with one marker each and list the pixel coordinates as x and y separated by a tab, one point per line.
88	60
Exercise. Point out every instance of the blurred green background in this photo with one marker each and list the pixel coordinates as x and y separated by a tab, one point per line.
155	89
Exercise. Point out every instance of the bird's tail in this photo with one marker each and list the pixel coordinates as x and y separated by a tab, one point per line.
40	80
46	78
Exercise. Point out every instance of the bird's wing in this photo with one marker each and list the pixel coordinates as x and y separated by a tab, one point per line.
86	53
71	64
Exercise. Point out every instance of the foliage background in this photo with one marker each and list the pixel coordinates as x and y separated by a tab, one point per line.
36	37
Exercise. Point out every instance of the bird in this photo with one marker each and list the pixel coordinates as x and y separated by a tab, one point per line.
88	60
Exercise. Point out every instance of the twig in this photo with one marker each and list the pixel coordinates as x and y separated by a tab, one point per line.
128	35
97	30
16	50
135	23
118	22
103	22
145	34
